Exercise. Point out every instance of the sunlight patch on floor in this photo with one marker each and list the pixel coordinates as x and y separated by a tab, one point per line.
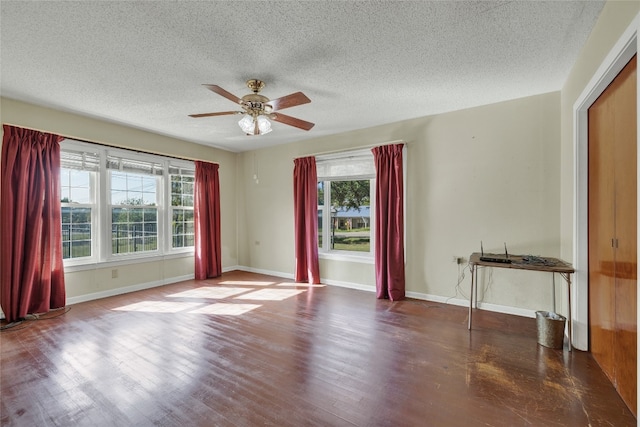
216	292
271	294
226	309
159	306
246	283
201	298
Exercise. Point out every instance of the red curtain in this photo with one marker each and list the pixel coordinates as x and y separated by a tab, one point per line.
31	268
305	208
389	244
206	216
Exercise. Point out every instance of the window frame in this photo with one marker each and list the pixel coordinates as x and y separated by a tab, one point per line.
111	206
325	251
93	205
180	167
102	206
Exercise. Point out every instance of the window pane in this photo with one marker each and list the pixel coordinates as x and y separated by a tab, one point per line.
64	176
119	215
134	198
118	197
75	186
182	228
80	195
149	198
133	189
320	227
150	215
65	195
78	178
76	232
118	181
66	250
320	211
350	215
187	187
134	182
66	215
182	213
134	230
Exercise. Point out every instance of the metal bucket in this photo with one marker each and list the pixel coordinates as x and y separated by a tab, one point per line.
550	329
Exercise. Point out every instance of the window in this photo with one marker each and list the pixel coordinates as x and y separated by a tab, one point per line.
345	200
118	204
134	213
77	189
182	208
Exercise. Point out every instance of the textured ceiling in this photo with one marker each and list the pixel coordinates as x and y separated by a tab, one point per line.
143	63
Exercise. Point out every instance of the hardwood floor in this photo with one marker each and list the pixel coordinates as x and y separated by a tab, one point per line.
255	350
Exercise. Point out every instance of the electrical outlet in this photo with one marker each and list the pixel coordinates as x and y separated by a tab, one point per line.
114	273
458	259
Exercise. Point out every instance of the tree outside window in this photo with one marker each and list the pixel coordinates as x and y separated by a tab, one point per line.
347	207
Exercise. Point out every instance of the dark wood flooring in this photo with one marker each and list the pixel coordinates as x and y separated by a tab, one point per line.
254	350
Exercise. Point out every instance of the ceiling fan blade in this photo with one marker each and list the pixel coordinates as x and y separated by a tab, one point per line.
287	101
291	121
222	113
217	89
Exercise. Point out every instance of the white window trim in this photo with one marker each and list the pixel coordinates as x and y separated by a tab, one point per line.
73	145
101	210
325	252
93	258
353	256
169	249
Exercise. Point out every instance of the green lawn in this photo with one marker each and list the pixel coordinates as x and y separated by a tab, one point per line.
358	244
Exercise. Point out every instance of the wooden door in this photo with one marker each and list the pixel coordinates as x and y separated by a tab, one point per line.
612	232
601	230
625	161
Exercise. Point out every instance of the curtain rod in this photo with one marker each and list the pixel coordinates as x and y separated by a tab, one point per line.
107	145
362	147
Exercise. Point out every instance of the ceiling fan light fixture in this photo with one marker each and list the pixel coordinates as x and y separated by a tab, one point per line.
264	125
248	125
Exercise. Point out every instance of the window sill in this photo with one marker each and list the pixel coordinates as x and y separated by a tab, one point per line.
127	261
347	257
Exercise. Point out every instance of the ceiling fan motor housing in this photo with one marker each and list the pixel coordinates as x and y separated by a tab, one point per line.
256	104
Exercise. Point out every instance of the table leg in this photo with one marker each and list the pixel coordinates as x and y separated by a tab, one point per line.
475	297
553	275
570	324
471	269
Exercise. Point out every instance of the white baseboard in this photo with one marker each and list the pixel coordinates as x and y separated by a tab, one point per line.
351	285
138	287
228	269
266	272
481	305
127	289
417	295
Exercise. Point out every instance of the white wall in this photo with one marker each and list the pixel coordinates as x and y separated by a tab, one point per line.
97	280
490	173
614	19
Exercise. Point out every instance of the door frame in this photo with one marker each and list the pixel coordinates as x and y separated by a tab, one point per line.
614	62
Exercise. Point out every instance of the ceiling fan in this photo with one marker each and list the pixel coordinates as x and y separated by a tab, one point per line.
258	108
